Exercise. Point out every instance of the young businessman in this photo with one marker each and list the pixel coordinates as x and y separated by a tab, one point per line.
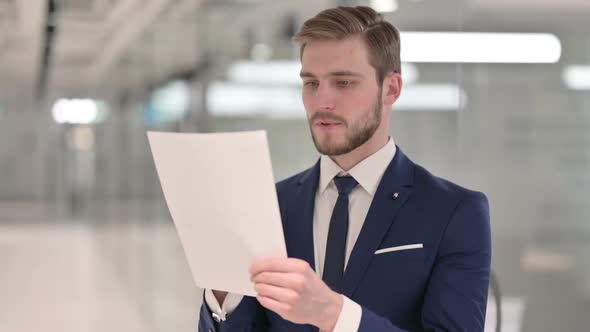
375	242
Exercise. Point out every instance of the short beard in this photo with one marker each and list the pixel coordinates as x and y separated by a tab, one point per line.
359	134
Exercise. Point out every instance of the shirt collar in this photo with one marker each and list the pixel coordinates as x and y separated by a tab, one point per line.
367	173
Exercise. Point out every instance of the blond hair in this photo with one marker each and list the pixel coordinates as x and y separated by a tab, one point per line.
381	37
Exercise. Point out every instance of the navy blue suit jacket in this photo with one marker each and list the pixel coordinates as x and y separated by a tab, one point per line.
442	287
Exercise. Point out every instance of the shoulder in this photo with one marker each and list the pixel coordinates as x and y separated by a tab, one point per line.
462	215
445	194
438	188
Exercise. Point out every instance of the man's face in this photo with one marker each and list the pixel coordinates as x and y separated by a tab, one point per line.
340	93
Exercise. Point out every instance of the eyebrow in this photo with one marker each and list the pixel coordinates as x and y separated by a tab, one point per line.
333	73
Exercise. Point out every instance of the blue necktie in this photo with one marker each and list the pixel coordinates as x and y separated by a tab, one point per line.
336	246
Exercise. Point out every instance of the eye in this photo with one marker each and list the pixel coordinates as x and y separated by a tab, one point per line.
312	84
344	83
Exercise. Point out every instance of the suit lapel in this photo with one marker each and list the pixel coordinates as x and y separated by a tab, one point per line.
300	243
398	178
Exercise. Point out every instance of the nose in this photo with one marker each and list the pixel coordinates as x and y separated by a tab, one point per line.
324	98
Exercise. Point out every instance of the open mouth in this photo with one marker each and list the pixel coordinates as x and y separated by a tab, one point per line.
328	124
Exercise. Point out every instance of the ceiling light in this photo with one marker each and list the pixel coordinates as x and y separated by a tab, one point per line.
577	77
471	47
384	6
431	97
75	111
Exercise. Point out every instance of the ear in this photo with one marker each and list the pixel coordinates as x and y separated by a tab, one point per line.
392	88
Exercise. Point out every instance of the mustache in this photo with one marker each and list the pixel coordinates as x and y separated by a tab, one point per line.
326	116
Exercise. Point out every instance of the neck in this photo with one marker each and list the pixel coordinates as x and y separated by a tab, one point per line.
349	160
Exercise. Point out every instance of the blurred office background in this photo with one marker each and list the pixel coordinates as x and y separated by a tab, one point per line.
86	241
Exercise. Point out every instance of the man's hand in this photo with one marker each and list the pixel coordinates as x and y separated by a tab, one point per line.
289	287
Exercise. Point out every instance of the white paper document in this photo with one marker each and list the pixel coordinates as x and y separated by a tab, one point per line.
221	195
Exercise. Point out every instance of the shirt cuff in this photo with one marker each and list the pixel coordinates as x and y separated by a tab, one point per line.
350	316
230	303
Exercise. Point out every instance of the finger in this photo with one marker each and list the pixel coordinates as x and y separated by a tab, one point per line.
294	281
273	305
275	264
279	294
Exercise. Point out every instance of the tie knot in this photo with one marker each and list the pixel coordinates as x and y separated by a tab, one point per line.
345	184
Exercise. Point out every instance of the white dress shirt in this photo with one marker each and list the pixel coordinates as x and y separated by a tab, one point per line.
368	174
